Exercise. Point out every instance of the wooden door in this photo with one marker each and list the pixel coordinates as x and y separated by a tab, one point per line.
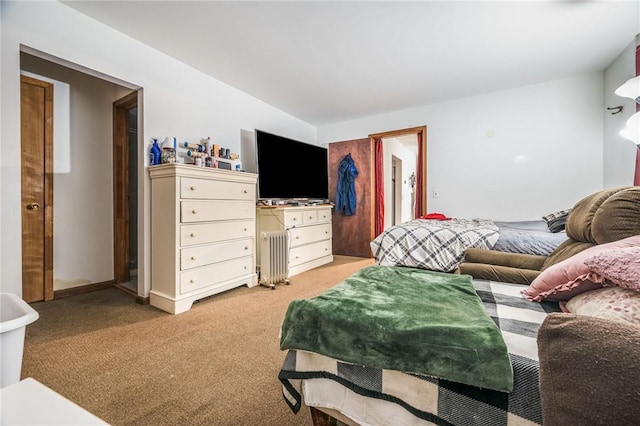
36	143
352	234
121	186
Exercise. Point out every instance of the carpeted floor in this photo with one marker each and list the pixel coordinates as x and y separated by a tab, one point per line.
216	364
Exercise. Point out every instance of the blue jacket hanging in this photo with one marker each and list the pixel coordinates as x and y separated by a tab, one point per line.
346	191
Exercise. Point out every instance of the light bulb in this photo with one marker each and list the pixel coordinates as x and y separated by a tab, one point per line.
631	130
630	89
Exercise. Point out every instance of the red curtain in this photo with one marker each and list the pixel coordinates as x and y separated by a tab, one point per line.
379	183
419	190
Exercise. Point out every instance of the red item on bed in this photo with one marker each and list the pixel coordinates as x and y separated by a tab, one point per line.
435	216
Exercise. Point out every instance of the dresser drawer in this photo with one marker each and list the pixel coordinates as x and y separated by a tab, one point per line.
310	217
203	211
324	215
216	189
310	234
218	273
213	253
309	252
293	218
201	233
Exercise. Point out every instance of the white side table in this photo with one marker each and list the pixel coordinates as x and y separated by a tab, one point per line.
29	402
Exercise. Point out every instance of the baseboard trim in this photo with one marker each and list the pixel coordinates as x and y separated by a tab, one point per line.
139	299
89	288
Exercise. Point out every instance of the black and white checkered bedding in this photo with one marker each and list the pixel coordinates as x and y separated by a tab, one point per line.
432	244
457	404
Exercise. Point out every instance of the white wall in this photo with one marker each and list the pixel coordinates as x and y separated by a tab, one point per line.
509	155
177	100
619	155
392	148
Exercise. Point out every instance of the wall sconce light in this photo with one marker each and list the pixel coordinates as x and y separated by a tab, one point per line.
631	89
631	130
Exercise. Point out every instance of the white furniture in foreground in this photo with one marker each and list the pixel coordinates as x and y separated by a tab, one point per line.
15	315
202	233
29	402
309	228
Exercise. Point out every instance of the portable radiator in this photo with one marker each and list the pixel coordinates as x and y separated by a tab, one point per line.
274	258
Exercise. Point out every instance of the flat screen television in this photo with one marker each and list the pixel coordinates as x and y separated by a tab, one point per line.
290	170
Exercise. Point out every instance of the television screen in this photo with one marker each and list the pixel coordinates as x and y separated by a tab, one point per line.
289	169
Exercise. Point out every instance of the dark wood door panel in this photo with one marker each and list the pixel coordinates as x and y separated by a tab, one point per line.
352	234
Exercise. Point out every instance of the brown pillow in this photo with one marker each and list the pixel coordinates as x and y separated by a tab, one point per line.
579	222
589	371
618	217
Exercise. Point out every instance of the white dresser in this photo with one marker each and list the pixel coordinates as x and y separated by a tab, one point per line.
203	224
309	229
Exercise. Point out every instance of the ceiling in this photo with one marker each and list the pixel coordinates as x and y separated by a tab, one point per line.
331	61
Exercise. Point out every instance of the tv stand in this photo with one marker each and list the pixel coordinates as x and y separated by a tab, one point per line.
310	234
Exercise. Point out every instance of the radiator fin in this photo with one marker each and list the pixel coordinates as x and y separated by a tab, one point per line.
274	257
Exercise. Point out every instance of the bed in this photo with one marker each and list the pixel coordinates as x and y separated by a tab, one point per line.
529	237
439	245
367	391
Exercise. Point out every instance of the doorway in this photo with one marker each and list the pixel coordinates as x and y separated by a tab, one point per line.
36	143
358	230
86	177
403	188
397	193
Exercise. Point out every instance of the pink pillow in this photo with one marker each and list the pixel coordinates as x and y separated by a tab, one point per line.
619	266
614	303
571	276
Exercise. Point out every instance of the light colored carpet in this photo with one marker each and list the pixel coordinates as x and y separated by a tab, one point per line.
216	364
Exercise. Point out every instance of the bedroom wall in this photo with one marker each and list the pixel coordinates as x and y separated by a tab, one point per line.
177	100
508	155
619	154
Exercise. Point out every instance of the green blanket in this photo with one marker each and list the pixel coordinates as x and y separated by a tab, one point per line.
404	319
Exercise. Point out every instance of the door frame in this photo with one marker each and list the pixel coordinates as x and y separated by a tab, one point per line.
47	239
121	213
421	130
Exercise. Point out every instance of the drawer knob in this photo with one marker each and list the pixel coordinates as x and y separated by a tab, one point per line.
193	258
246	247
310	217
193	188
194	211
245	229
192	281
297	237
245	191
193	234
295	218
326	232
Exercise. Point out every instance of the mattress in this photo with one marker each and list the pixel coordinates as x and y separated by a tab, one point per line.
371	396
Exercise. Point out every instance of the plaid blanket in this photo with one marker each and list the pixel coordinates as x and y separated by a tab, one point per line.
432	244
455	403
